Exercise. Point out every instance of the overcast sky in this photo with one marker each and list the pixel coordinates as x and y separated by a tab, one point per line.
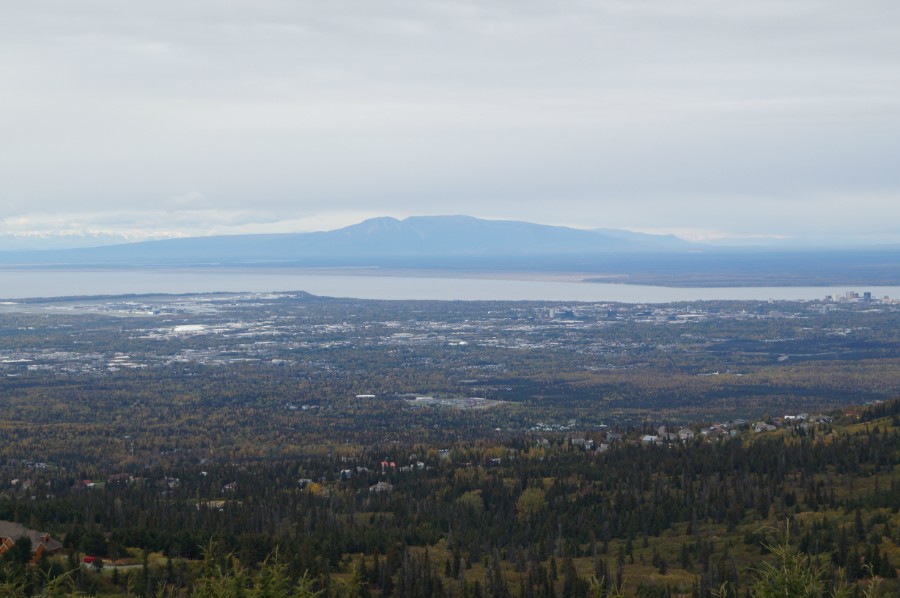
707	118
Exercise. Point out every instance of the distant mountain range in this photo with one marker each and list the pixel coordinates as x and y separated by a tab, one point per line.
374	242
466	244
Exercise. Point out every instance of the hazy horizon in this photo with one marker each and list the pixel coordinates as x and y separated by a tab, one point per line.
49	241
726	123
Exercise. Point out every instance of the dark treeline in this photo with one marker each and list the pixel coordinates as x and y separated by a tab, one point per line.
510	518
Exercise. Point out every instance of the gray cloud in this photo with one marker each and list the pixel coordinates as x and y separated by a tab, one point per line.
750	118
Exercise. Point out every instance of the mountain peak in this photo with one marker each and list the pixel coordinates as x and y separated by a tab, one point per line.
376	241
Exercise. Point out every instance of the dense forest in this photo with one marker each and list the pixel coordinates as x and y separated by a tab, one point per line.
521	517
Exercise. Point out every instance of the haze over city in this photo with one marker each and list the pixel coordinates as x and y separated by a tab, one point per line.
726	122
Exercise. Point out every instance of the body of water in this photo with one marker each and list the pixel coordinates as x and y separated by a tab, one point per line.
20	284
